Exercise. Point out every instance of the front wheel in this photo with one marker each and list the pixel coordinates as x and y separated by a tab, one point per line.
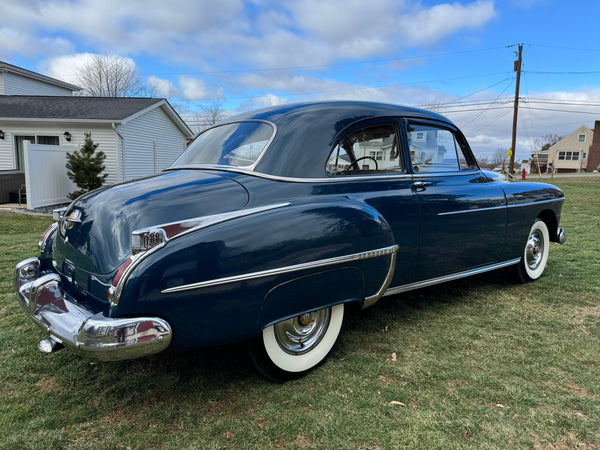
535	254
291	348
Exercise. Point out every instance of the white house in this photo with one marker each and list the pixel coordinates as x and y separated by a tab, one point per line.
140	136
18	81
570	154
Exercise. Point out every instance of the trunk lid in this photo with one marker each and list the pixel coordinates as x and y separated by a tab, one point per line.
90	249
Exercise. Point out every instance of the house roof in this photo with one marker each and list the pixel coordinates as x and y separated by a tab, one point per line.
5	67
78	108
91	109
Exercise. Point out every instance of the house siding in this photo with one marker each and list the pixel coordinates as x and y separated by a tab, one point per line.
152	143
571	144
102	134
15	84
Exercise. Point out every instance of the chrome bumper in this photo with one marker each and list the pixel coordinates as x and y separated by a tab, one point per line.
71	324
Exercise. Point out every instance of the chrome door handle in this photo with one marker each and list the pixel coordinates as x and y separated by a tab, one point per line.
420	185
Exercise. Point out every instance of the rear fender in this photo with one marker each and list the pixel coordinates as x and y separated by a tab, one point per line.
228	281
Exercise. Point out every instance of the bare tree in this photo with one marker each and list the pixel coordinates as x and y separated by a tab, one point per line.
211	114
110	76
547	141
482	161
499	156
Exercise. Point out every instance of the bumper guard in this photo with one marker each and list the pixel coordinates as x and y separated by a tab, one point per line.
71	324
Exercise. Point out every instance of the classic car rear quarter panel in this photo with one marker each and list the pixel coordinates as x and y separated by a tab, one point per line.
220	310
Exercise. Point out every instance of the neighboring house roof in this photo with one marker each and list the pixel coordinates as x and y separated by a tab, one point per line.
5	67
103	109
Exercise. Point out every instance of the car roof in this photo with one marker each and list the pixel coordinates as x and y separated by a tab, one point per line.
307	131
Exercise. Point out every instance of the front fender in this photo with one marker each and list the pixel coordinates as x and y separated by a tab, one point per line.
226	282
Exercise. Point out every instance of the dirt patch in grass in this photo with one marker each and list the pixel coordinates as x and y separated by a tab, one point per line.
46	385
592	310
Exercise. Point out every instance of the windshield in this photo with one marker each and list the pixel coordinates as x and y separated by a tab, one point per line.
235	144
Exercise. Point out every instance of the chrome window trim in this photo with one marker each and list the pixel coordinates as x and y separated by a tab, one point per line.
333	179
203	222
336	179
391	250
451	277
457	173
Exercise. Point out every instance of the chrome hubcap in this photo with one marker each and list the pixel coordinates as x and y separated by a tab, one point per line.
301	334
534	250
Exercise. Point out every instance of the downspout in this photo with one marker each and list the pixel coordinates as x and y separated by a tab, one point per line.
114	126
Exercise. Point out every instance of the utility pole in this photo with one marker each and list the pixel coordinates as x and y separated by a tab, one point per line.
516	110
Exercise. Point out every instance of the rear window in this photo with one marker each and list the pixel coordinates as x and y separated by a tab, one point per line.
236	144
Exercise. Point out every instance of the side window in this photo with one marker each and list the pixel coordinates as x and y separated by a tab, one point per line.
434	149
371	150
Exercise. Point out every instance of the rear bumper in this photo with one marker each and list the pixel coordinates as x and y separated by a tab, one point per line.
71	324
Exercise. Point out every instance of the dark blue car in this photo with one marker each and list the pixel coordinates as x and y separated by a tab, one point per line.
270	225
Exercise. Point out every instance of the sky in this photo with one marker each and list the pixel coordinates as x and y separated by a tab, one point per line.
455	57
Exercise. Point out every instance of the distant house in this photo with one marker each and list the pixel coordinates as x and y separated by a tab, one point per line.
570	154
140	136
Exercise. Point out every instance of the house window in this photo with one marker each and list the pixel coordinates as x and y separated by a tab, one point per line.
20	147
376	155
581	138
419	136
575	156
584	155
47	140
561	156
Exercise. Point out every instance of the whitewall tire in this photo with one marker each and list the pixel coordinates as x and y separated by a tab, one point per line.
535	254
291	348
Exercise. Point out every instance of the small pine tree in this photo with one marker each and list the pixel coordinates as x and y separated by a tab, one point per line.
84	167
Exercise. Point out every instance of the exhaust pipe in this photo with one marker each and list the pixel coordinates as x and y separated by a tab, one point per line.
49	345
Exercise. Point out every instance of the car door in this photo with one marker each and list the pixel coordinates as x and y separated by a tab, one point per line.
369	166
462	214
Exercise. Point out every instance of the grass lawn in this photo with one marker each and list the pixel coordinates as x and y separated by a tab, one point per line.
476	363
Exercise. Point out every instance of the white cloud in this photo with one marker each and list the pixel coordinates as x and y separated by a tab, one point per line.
164	88
262	102
429	26
65	67
191	88
263	34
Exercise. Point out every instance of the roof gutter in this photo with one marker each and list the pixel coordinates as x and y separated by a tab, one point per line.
114	127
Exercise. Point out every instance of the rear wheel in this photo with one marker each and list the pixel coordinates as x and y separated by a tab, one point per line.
291	348
535	254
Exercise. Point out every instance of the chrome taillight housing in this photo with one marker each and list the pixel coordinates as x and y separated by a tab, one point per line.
46	235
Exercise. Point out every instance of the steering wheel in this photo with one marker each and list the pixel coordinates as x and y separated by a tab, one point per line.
360	159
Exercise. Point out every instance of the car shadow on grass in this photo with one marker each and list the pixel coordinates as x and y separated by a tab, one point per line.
214	373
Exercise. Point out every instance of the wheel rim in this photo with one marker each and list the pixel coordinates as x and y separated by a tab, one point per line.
534	251
302	333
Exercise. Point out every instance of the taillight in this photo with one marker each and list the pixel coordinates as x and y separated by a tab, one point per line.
114	291
46	235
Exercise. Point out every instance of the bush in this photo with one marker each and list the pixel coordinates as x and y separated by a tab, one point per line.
84	167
